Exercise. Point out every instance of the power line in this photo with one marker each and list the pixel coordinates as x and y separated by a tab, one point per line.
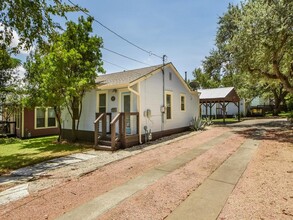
119	54
115	33
114	64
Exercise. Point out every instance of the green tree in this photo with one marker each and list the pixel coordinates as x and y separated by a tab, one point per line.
8	78
256	38
203	80
65	70
31	20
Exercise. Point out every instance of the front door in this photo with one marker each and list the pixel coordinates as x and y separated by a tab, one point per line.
126	108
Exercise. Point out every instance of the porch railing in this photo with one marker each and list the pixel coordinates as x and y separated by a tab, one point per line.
101	117
114	137
119	136
7	128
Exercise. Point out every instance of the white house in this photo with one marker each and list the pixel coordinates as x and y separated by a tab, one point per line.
130	107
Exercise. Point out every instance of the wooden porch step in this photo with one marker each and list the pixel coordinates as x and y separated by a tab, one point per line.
105	142
103	147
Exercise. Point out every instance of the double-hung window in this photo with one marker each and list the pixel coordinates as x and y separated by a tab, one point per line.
45	118
168	105
102	102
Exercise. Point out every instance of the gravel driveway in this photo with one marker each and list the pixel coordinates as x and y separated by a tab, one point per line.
265	190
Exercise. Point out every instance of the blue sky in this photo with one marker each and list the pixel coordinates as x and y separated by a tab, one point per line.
182	30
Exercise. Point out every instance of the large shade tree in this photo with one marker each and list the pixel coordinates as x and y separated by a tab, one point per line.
9	83
23	24
31	20
256	38
61	73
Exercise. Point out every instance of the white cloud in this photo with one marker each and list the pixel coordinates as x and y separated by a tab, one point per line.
20	71
15	42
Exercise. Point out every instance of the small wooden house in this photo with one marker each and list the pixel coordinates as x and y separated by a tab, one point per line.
36	122
28	123
131	107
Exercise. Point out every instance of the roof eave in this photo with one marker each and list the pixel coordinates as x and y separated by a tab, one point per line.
105	87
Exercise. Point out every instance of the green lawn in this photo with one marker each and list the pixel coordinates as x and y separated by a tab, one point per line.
227	120
16	153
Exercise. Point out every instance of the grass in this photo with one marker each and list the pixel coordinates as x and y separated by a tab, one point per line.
227	120
281	114
16	153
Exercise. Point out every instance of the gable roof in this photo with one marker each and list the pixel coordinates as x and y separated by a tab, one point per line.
130	77
218	94
125	77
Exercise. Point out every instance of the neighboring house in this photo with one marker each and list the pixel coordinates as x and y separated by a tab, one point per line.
26	123
218	102
259	105
130	107
35	122
260	101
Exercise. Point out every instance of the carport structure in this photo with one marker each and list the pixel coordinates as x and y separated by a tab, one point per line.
223	96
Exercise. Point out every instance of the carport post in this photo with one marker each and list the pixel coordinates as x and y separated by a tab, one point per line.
224	112
210	111
206	110
238	110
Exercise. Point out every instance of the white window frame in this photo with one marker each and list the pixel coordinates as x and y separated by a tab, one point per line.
184	96
46	119
98	100
171	94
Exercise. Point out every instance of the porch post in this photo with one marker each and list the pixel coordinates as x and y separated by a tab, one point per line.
96	133
104	125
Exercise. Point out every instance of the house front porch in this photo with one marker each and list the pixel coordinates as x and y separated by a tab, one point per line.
121	131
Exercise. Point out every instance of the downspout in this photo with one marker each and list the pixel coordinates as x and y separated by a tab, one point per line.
164	107
138	106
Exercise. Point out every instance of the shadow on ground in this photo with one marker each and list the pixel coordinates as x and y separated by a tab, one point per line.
280	131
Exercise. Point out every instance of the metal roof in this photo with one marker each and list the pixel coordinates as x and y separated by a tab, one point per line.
125	77
219	94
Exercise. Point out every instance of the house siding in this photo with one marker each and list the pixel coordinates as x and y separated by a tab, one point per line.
231	109
152	98
29	126
88	115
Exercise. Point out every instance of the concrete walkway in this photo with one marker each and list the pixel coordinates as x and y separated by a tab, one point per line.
207	201
31	172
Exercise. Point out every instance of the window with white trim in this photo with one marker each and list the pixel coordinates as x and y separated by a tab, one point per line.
168	106
102	102
45	118
51	117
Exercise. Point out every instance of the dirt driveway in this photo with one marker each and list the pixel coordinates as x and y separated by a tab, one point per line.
153	183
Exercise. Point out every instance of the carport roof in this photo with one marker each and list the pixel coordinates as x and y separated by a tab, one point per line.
225	94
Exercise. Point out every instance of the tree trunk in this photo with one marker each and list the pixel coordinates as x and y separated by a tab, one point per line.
75	117
279	97
58	116
74	136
